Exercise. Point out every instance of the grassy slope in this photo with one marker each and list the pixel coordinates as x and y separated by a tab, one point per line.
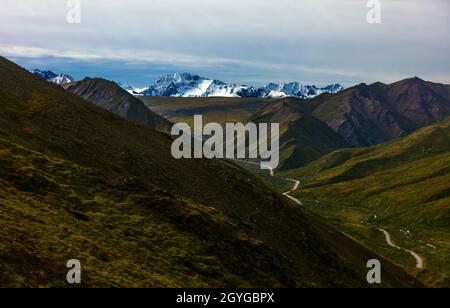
79	182
404	183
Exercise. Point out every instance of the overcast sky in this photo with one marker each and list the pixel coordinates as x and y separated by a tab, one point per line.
245	41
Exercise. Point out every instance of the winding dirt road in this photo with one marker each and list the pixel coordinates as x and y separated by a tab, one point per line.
390	242
272	173
288	193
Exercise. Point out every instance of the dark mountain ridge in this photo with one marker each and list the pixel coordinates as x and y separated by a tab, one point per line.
367	115
112	97
303	137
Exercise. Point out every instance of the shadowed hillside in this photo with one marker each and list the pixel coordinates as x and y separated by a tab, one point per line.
303	138
112	97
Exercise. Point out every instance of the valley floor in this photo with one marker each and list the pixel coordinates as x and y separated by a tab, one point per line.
423	252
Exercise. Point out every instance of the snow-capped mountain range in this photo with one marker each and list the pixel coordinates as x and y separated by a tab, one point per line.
52	77
295	89
189	85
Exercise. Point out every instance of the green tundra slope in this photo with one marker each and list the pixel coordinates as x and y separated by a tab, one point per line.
402	185
78	182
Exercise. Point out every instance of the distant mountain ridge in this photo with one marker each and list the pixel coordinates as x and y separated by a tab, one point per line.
52	77
303	138
361	116
295	89
112	97
367	115
189	85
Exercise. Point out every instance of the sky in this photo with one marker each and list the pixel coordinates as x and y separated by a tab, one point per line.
237	41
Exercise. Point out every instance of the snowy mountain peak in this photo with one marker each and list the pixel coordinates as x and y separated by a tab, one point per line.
52	77
334	88
176	78
190	85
